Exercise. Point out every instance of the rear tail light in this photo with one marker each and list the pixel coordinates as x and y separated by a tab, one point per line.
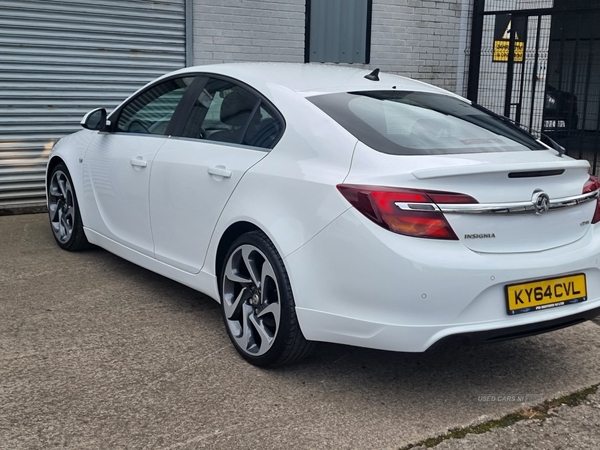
410	212
591	185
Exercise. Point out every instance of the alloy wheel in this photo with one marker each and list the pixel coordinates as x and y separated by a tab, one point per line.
251	300
61	206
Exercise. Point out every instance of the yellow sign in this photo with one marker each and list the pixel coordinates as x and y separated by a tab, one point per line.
505	28
501	51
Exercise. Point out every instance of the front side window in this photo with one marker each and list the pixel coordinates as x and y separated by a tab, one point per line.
151	111
421	123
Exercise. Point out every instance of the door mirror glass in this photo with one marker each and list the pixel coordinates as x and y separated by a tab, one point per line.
94	120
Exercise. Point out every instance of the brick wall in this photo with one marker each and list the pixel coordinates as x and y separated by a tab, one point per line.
425	40
248	30
422	39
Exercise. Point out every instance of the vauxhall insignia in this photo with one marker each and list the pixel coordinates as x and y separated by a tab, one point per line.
480	236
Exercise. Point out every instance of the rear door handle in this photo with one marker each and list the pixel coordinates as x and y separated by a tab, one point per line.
220	171
138	162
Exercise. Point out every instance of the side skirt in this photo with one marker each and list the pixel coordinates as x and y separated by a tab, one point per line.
202	281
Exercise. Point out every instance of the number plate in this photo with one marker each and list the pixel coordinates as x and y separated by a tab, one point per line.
545	294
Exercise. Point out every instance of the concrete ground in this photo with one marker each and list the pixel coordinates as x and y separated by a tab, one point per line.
566	428
98	353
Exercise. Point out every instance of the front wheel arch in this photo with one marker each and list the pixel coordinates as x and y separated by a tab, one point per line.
68	230
52	163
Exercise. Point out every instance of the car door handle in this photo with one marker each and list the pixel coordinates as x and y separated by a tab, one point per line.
220	171
138	162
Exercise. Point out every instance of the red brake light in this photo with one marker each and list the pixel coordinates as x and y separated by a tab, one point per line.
379	205
591	185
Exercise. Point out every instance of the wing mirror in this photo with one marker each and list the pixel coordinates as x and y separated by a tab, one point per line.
95	120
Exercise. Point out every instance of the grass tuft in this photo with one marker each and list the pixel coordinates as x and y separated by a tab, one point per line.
539	412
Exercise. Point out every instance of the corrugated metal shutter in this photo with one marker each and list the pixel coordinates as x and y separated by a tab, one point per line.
338	31
62	58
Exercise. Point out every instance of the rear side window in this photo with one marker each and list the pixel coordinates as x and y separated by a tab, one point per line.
420	123
227	112
264	128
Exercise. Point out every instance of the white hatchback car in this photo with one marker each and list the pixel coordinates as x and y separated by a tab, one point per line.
323	203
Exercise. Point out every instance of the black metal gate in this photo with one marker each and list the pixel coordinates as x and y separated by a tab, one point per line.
541	68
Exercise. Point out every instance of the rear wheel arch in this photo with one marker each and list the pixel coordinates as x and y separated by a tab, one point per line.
233	232
257	301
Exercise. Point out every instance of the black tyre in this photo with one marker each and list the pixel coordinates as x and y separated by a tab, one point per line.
63	209
257	304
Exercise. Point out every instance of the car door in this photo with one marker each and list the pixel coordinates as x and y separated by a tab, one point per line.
228	130
118	163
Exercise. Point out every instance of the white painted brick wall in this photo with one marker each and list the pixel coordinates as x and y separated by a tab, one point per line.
248	30
415	38
420	39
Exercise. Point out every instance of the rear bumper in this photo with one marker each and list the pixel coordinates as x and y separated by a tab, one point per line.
503	334
358	284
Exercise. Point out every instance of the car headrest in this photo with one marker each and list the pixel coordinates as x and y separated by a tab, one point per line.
237	107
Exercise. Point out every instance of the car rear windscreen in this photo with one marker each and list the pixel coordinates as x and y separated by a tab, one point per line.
422	123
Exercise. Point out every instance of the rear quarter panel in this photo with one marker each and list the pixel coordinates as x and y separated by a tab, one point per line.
291	194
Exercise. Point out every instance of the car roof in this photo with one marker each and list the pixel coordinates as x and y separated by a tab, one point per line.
310	78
